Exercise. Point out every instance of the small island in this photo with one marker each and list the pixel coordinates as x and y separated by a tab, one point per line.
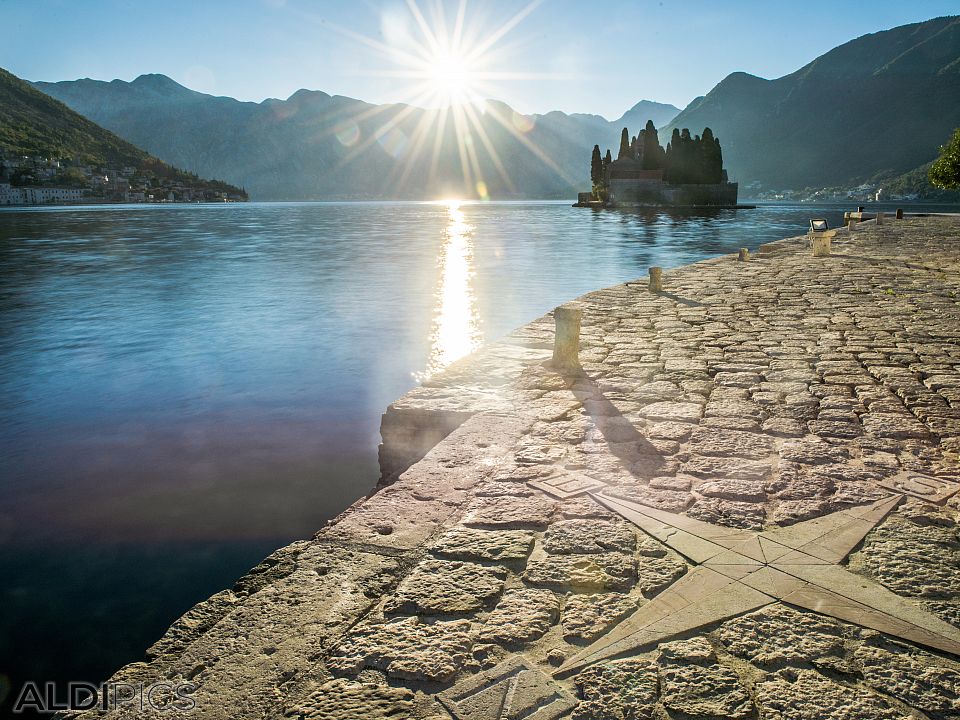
688	173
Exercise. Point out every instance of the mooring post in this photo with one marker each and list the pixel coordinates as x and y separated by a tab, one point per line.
656	279
821	245
851	223
879	218
899	213
743	255
566	341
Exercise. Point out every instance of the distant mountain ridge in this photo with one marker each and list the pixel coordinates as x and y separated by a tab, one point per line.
317	146
877	107
34	124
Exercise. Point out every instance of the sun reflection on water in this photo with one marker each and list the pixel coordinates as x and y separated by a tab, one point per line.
456	324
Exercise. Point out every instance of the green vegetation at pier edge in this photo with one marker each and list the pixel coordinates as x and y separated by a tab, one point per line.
945	170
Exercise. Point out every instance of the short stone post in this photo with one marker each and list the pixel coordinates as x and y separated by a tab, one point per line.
899	213
566	341
743	255
879	218
851	224
860	208
821	245
656	279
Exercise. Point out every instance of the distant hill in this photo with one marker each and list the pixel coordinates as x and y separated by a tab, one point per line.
637	116
880	105
315	146
35	124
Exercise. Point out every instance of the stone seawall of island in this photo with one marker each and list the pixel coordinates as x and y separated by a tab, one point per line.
741	503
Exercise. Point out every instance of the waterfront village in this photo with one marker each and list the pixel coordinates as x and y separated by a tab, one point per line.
56	181
864	193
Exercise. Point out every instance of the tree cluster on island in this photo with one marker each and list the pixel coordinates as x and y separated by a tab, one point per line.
687	159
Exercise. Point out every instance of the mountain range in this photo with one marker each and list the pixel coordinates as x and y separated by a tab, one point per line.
313	145
35	124
876	107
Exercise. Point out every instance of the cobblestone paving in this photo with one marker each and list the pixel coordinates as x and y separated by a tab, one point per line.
750	396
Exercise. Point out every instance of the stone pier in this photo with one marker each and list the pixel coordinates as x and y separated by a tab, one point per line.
743	506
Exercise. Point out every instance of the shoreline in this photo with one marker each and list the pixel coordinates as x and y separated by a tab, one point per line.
751	204
466	564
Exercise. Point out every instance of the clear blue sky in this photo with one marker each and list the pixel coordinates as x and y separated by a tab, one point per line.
575	56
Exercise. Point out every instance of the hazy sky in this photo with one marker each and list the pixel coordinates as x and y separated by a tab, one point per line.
598	57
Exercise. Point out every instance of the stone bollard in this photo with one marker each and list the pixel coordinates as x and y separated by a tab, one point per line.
899	213
821	245
656	279
879	218
743	255
851	224
566	342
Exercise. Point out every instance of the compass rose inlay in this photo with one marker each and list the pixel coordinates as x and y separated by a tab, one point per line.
738	571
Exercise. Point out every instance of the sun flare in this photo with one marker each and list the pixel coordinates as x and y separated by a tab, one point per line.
451	79
449	61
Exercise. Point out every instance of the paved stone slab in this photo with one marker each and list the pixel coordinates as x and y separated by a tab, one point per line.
810	696
576	537
587	617
342	699
406	648
918	679
778	635
617	691
509	512
445	587
695	685
464	543
522	615
583	573
672	411
725	442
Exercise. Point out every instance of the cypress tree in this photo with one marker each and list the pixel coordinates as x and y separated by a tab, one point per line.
718	160
685	157
672	159
697	160
712	158
624	145
596	171
652	152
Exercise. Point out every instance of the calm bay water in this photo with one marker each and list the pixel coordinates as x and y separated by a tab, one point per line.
185	388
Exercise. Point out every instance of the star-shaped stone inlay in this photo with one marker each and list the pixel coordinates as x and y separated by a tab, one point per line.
739	571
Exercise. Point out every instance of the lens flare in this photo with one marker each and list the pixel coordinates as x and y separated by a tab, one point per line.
348	134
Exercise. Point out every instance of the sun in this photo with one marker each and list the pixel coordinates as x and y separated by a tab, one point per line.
451	79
